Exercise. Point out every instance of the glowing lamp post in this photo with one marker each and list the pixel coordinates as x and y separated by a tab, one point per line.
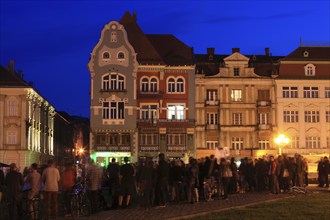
281	141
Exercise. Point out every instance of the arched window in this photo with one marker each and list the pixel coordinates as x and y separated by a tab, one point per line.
145	85
121	55
180	85
171	85
105	82
310	70
153	85
106	55
113	81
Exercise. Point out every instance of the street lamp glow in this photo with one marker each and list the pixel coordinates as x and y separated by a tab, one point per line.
81	151
281	141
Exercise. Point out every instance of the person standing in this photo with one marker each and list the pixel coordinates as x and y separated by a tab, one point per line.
14	183
326	171
68	182
162	171
113	175
2	182
126	183
192	177
51	177
33	179
273	181
94	178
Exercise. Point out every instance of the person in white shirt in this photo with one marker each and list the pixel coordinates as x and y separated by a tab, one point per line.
51	178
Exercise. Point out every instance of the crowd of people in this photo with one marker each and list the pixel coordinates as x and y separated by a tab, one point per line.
155	183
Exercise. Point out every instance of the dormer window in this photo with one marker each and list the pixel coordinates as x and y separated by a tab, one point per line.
306	54
310	70
236	71
121	55
106	56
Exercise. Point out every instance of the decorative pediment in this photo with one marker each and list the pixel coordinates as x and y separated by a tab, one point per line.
236	57
292	131
291	105
313	130
311	106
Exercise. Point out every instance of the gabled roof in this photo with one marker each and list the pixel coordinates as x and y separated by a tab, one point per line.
146	53
8	79
172	50
314	54
156	49
263	65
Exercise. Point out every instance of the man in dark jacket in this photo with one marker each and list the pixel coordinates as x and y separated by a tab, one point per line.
126	182
14	183
163	170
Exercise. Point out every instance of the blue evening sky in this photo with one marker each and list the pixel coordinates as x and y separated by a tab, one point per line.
51	41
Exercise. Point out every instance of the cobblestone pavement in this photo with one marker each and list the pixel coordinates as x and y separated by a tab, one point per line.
182	211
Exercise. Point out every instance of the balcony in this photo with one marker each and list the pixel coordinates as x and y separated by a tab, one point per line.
150	95
120	148
212	102
165	123
176	148
149	148
264	126
212	127
264	103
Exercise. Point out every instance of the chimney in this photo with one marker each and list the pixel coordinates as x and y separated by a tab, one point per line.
12	66
210	53
235	49
134	15
267	51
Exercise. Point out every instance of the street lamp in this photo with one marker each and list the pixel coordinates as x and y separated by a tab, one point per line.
281	141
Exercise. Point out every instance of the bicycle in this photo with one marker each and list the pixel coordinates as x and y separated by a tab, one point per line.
210	188
80	204
299	190
32	208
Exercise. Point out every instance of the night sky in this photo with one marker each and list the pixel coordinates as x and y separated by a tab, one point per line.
51	41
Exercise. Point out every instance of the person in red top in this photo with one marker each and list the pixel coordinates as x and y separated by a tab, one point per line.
68	182
273	181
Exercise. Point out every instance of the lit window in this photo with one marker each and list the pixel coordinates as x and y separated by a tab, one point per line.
175	112
236	95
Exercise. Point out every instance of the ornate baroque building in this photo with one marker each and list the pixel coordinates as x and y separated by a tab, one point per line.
303	100
26	122
142	94
235	103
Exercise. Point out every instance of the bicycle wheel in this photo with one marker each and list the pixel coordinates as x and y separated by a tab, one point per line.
207	192
85	206
75	206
